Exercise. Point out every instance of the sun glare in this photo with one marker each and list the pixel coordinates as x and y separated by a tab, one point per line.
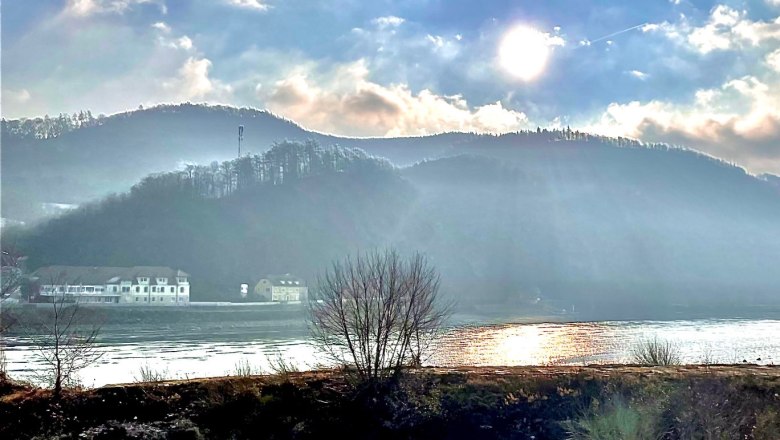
524	52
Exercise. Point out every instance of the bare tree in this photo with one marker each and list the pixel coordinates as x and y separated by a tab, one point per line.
378	312
11	276
10	283
66	342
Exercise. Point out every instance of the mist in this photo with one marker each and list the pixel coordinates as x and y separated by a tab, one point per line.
552	221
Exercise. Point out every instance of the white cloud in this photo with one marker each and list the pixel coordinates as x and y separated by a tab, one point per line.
773	59
255	5
638	74
554	40
726	29
739	121
345	101
162	27
183	43
436	40
85	8
164	39
193	82
388	21
20	96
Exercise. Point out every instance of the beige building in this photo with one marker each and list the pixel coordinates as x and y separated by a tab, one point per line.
281	288
139	285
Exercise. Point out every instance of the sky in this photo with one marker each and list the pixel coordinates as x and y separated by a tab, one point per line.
704	74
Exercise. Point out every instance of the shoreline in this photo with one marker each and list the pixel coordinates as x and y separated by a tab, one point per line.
486	314
541	402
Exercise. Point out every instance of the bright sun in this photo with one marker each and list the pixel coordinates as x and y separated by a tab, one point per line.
524	52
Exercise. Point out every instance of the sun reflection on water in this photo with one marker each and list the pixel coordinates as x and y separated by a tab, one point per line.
533	344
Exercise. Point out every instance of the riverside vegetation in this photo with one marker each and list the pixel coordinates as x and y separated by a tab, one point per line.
595	402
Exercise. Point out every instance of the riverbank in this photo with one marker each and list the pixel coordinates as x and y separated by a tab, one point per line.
512	402
463	314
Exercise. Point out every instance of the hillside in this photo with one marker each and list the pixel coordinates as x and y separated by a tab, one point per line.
228	231
76	159
601	228
47	161
578	224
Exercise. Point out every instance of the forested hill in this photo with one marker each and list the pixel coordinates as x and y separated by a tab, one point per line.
597	227
287	210
75	159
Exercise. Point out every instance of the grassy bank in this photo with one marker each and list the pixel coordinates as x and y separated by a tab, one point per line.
609	402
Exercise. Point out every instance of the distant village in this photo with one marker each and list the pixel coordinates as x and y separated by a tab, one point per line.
142	286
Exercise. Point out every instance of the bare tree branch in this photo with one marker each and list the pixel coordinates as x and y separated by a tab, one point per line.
65	340
378	312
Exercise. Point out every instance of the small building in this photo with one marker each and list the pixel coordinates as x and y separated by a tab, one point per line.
281	288
138	285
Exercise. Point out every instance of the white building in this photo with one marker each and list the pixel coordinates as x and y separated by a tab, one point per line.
139	285
282	288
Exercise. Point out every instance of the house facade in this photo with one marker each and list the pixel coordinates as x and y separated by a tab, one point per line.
282	288
139	285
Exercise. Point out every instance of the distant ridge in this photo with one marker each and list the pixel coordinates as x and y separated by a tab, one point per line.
598	228
78	158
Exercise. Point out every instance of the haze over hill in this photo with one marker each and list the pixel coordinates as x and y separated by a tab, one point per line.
580	221
75	160
74	165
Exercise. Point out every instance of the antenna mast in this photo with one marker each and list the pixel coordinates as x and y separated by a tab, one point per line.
240	138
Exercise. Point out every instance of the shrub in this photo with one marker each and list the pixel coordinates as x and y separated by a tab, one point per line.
243	368
656	352
615	419
147	374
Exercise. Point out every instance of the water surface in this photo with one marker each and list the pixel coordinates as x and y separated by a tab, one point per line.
181	350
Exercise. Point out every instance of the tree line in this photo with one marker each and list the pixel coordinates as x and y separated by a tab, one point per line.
284	162
49	127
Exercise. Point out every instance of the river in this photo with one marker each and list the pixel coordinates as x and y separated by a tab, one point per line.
188	350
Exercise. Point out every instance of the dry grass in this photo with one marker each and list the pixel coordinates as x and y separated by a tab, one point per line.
655	352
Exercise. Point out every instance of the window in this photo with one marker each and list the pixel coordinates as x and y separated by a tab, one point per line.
161	298
181	289
137	289
154	298
125	289
90	289
154	289
145	299
172	289
136	299
146	289
162	280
